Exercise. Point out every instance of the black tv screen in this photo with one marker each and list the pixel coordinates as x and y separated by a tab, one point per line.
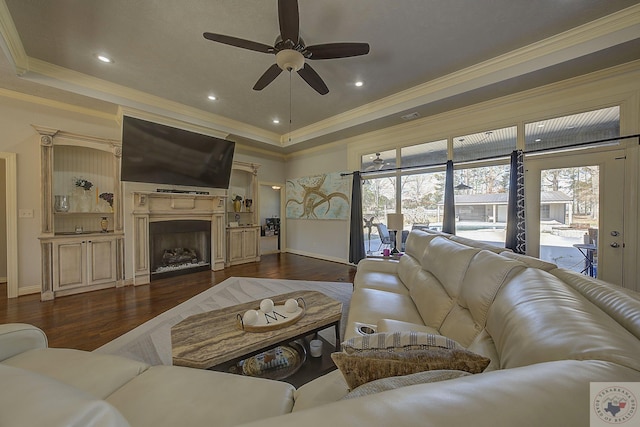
160	154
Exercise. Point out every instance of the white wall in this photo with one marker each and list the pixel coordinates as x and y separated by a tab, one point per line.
326	239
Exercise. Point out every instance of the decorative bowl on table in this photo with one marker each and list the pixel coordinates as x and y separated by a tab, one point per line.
276	364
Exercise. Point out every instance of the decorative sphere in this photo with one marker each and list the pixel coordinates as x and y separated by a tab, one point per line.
250	317
266	305
291	305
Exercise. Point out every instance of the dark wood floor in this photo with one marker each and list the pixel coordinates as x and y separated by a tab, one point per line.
87	321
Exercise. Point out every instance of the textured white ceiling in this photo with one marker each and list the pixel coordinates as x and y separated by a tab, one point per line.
159	50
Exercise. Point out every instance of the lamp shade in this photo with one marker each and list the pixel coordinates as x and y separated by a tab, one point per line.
395	221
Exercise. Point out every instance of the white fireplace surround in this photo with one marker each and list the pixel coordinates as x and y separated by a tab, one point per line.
151	206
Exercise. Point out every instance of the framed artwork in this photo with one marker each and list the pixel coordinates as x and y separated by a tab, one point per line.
325	196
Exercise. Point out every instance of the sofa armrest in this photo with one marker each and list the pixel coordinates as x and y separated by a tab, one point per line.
16	338
378	264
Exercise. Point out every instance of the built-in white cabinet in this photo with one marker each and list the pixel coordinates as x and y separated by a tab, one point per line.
84	262
243	230
242	245
82	240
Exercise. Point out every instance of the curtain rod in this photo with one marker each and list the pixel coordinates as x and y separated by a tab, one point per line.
540	150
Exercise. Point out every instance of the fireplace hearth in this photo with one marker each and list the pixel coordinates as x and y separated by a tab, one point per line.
179	247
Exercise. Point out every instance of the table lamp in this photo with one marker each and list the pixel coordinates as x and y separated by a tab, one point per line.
395	223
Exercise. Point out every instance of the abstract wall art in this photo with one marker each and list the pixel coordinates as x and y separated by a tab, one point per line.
325	196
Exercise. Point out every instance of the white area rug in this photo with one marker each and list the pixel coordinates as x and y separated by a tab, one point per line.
151	341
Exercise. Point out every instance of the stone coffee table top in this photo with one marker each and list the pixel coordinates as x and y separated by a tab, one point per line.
208	339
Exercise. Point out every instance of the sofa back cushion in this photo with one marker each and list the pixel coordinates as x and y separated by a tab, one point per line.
621	304
414	250
530	261
435	288
537	318
485	276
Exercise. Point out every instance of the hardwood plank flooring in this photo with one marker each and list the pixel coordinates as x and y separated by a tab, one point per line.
87	321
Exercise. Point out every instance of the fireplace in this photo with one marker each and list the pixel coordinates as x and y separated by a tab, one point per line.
179	247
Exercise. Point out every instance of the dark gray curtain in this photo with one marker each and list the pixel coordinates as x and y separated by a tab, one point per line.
516	236
356	232
449	216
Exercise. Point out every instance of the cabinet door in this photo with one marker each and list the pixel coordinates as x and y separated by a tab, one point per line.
250	243
102	261
236	238
69	259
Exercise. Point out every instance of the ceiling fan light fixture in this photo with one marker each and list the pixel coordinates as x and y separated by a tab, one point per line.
289	60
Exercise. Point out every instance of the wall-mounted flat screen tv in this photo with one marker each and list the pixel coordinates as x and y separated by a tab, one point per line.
160	154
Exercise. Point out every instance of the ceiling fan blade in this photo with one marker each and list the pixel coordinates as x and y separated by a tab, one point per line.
268	76
313	79
337	50
289	20
242	43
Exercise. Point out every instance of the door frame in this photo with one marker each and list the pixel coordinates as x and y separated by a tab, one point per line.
611	187
11	191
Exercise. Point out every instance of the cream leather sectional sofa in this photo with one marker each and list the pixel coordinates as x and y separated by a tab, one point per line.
548	332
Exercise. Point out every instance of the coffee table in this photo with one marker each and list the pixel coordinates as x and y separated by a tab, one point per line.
209	339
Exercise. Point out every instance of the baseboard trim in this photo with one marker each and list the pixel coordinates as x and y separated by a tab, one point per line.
28	290
318	256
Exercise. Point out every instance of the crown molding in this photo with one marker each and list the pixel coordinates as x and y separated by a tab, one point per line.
594	36
63	78
10	41
32	99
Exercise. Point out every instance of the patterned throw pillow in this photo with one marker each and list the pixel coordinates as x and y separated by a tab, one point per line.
391	383
393	341
384	355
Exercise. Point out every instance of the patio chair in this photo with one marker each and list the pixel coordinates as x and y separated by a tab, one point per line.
385	238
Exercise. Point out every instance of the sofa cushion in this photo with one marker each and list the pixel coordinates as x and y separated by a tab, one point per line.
537	318
185	397
364	366
620	303
477	244
391	383
328	388
448	262
431	299
530	261
30	399
483	279
98	374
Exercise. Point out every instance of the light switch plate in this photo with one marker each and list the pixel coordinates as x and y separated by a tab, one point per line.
25	213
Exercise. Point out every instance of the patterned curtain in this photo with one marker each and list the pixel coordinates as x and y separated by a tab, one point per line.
516	236
356	232
449	216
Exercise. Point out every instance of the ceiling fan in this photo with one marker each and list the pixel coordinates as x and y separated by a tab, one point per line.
291	51
377	164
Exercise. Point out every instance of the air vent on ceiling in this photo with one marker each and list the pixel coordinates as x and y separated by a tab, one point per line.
410	116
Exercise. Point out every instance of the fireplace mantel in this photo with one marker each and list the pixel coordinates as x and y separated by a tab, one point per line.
150	206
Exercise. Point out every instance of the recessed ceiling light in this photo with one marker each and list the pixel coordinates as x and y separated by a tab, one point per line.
104	59
211	97
541	125
359	83
538	140
276	121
